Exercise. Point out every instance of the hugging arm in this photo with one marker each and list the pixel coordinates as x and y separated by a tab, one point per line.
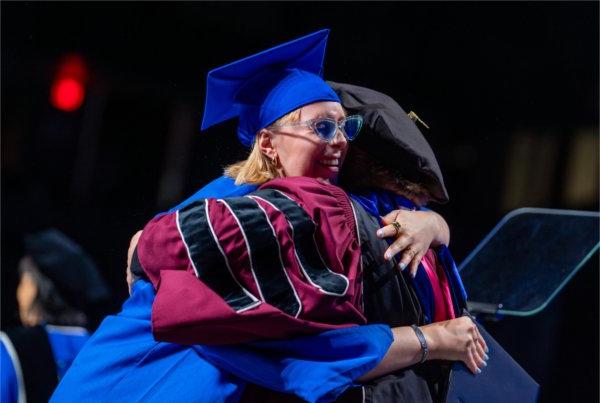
453	340
406	348
419	231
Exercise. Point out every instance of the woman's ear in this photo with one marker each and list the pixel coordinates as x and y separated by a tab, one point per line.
265	144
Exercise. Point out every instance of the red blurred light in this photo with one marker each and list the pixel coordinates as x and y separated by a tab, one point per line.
68	88
67	94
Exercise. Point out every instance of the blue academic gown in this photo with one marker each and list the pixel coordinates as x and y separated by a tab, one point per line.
123	362
11	382
65	343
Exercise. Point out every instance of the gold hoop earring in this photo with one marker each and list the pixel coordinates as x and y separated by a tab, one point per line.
275	161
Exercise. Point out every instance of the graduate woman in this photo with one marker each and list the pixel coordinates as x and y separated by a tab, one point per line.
58	284
314	121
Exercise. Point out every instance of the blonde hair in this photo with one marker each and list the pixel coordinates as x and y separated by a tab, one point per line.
258	168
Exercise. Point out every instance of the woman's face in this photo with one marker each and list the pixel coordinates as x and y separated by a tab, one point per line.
302	153
26	295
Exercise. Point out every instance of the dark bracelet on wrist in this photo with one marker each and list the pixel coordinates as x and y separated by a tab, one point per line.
422	341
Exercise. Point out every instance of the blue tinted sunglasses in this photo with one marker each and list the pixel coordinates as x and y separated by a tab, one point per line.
327	128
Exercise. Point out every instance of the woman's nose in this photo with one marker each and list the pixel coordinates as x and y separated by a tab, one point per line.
339	139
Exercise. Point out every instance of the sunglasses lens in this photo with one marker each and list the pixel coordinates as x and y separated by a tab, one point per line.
352	126
326	129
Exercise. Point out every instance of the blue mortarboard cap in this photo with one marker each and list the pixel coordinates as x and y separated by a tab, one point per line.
261	88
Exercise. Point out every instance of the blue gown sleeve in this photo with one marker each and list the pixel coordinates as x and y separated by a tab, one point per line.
317	368
123	362
9	380
66	342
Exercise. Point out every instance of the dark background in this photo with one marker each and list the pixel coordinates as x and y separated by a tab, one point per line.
510	91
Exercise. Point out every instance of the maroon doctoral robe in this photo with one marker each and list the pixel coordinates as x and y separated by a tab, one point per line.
283	261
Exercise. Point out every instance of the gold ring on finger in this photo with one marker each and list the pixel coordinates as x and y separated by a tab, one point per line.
397	227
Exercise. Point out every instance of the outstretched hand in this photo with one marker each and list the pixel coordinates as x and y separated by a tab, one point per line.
415	233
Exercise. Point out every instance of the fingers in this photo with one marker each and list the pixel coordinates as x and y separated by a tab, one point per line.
477	349
399	244
414	264
460	340
413	237
129	277
478	355
390	217
471	362
481	348
411	254
132	244
387	231
481	342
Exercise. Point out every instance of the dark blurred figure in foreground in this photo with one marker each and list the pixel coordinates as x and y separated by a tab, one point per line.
59	286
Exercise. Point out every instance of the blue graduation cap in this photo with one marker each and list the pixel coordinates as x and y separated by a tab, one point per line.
264	87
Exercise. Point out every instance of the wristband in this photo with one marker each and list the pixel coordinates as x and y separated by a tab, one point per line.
423	341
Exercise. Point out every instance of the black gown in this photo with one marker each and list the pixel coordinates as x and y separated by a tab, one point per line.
388	299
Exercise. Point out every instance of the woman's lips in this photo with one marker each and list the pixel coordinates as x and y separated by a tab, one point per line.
332	164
